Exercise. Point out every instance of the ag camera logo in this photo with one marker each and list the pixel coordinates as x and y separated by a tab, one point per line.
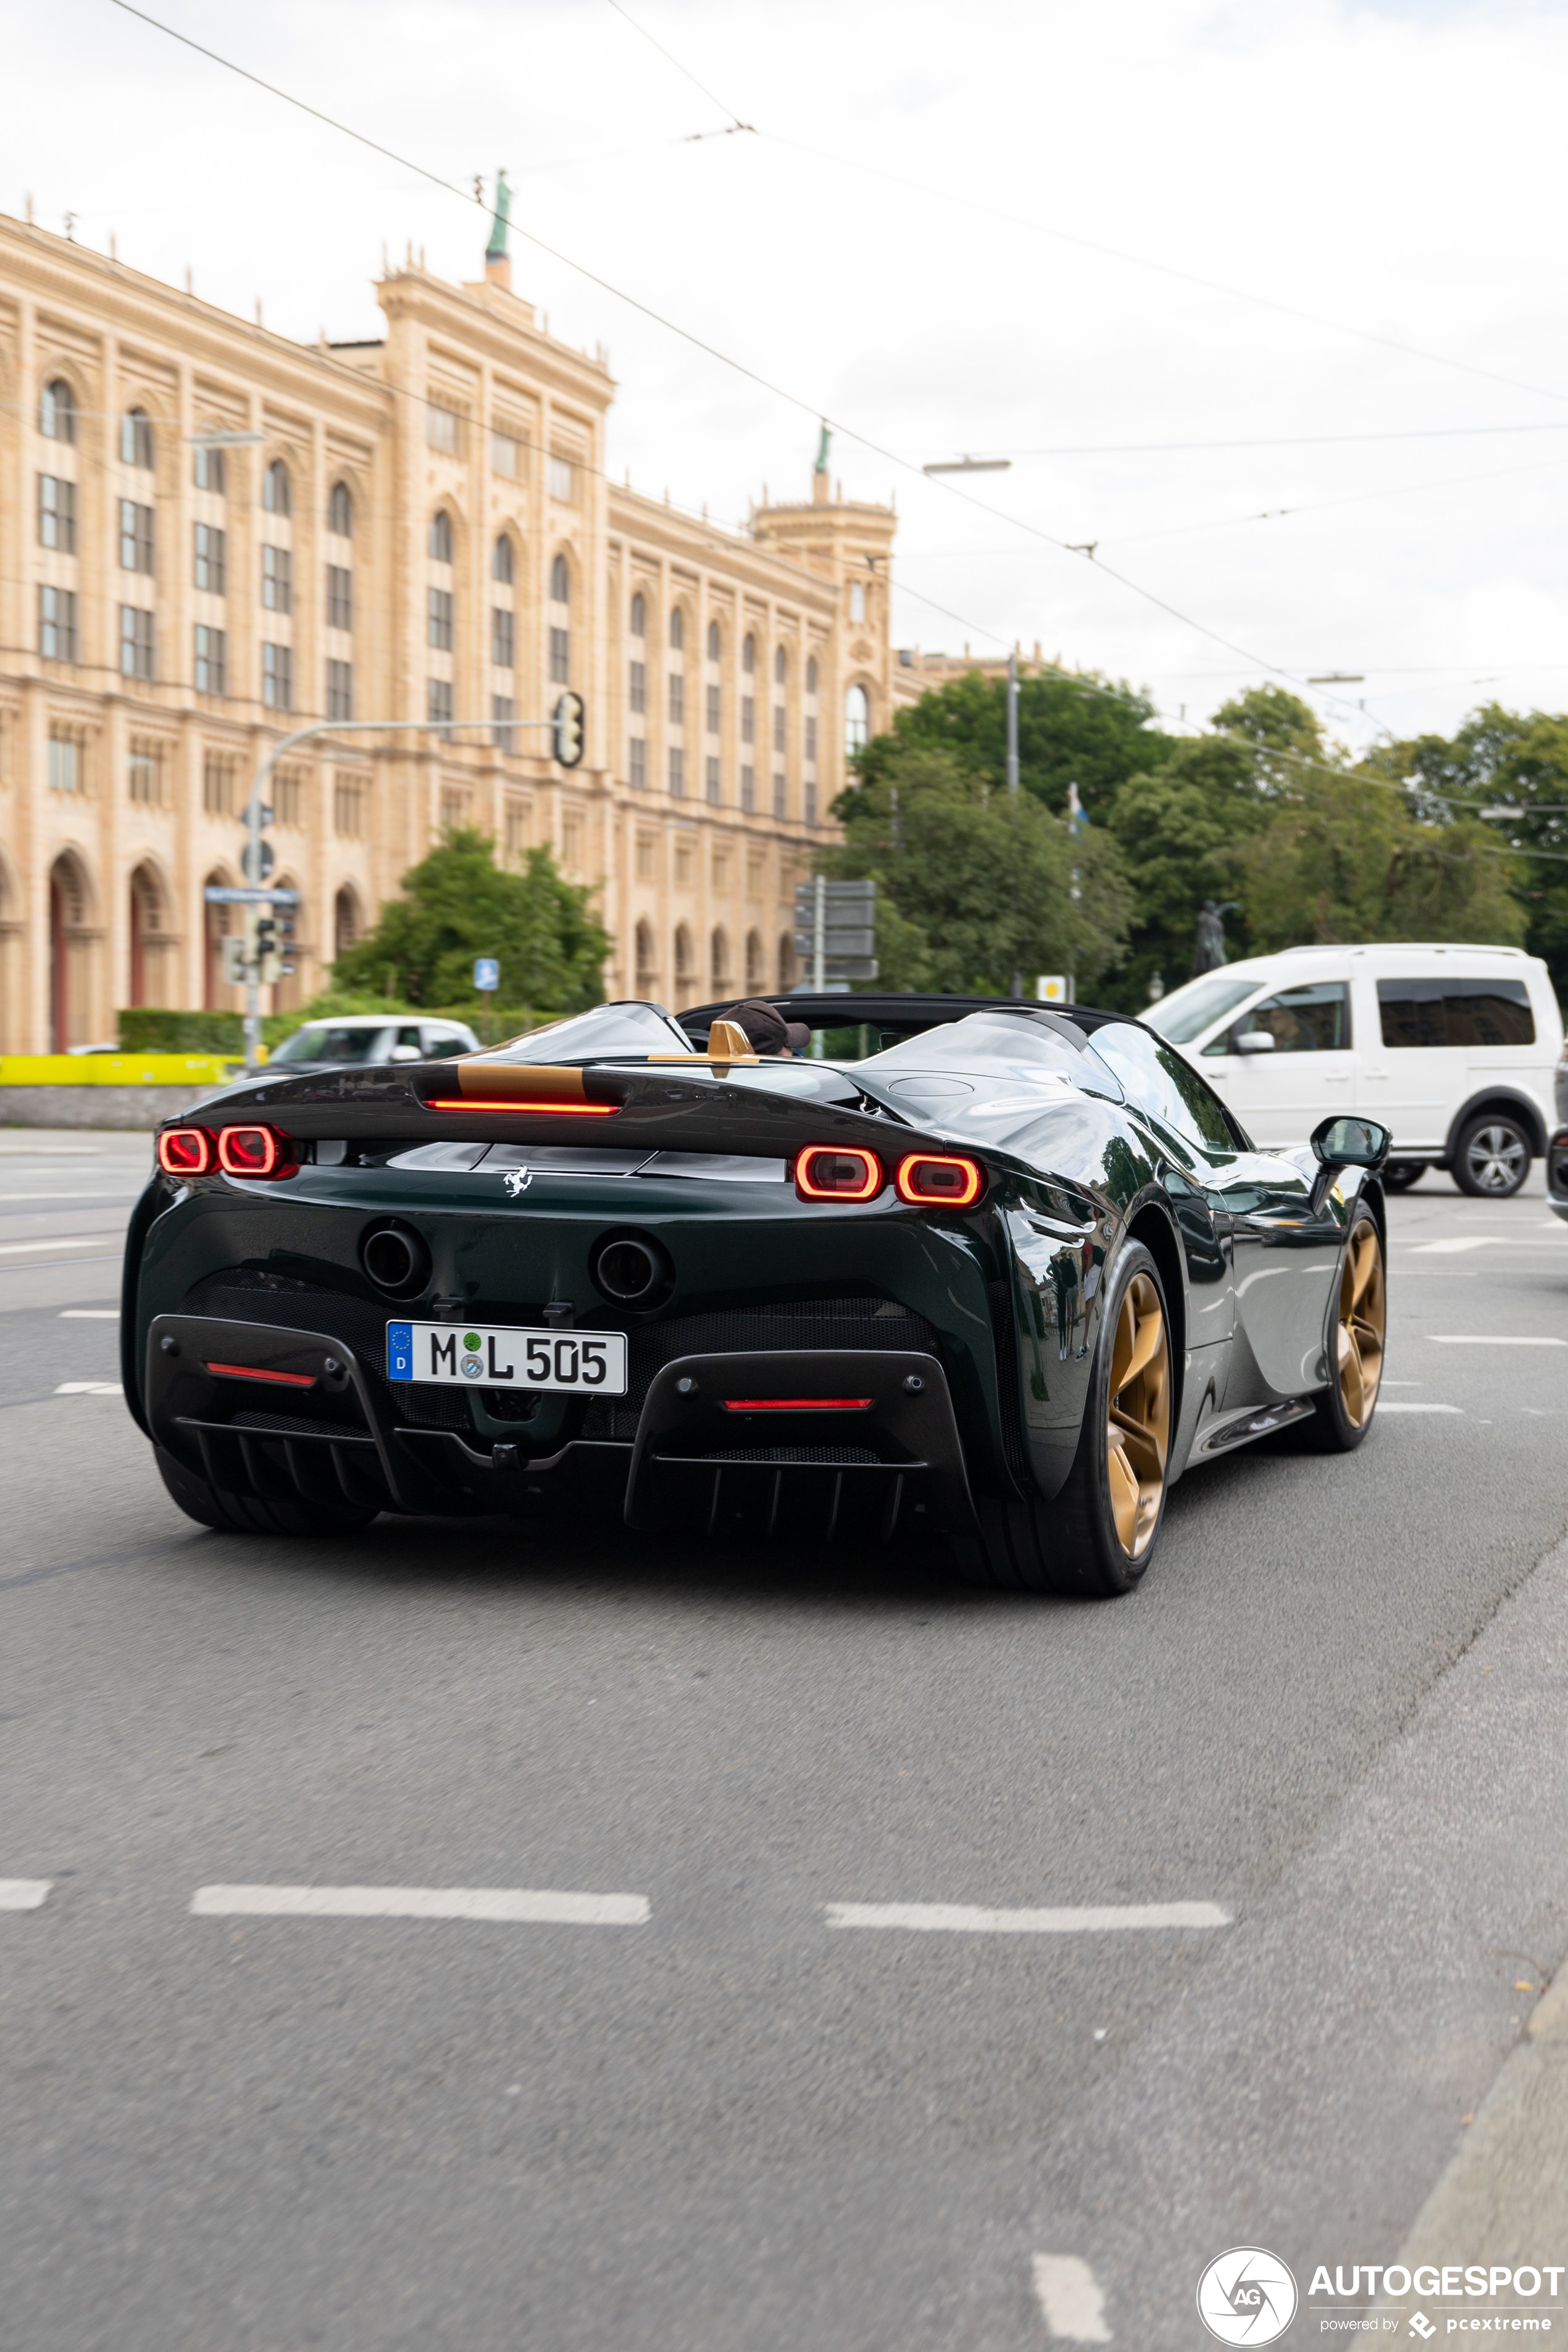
1247	2296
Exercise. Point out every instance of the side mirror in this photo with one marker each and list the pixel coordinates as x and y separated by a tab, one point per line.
405	1054
1252	1041
1346	1143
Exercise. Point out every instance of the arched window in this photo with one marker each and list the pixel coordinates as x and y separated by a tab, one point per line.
647	970
345	920
749	655
146	943
856	721
440	536
811	675
340	511
210	472
682	957
676	630
276	495
857	600
720	950
756	978
639	615
560	581
136	438
786	960
560	635
501	561
56	412
781	665
715	643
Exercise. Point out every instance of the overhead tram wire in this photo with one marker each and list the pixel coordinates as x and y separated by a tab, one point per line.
710	350
1276	441
735	122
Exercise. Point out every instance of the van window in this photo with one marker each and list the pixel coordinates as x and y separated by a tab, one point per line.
1315	1018
1187	1010
1444	1012
1157	1076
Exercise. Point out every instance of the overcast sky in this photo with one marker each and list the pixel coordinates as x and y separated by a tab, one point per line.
971	228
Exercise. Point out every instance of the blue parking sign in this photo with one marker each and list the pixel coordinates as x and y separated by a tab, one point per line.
487	972
400	1351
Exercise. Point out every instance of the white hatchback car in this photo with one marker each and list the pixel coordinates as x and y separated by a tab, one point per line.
1454	1048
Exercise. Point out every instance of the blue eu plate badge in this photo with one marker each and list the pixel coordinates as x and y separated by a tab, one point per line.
400	1351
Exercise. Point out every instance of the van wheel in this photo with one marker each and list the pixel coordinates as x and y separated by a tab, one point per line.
1492	1158
1402	1175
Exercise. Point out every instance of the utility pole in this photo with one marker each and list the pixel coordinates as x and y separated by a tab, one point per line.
1012	760
565	722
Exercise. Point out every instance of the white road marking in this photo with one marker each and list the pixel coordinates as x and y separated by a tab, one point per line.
89	1388
498	1903
1071	2299
1411	1405
1396	1384
971	1919
59	1241
23	1893
1464	1242
90	1315
1480	1340
12	1200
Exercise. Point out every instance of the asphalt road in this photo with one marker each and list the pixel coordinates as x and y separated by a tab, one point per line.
732	2125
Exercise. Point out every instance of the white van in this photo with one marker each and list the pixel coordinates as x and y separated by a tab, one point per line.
1453	1049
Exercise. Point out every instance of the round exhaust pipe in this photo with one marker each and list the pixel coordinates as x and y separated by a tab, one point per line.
632	1270
395	1258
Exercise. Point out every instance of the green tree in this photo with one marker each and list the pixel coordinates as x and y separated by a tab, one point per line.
459	904
1070	730
1514	759
1179	830
975	884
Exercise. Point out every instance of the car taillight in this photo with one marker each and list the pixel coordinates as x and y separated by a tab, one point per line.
939	1180
831	1171
254	1151
185	1152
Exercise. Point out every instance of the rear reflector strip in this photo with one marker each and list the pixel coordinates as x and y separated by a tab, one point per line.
255	1372
551	1110
797	1405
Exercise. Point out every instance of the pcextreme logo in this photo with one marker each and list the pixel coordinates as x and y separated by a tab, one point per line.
1247	2296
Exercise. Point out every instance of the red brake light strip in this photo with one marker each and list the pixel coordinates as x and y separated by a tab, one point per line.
797	1405
255	1372
557	1109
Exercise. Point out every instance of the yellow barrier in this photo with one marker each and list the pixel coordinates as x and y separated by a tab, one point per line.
118	1069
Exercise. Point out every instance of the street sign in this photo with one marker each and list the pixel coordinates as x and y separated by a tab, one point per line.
835	929
1051	988
257	859
218	895
486	973
566	731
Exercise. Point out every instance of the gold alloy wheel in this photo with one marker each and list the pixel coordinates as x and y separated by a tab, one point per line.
1363	1320
1139	1430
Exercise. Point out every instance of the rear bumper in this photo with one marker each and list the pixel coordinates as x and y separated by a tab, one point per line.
808	1443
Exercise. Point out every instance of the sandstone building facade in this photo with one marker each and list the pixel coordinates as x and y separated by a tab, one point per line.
215	535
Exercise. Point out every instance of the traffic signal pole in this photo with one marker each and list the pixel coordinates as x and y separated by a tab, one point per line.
566	723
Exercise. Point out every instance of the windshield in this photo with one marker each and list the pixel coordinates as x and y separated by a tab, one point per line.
329	1043
1189	1010
609	1031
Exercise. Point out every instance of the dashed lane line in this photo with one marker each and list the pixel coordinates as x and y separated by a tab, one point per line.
89	1388
1482	1339
508	1905
59	1241
23	1893
1071	2299
974	1919
1412	1404
90	1315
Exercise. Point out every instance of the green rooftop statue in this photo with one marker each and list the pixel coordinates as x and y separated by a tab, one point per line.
496	249
822	445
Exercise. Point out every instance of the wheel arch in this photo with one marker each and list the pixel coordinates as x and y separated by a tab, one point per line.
1495	1097
1153	1227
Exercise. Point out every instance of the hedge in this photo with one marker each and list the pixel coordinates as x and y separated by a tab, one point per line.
144	1029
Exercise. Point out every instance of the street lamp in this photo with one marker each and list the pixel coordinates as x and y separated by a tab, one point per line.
968	466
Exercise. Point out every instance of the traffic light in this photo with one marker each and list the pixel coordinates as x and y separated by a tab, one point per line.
235	969
567	731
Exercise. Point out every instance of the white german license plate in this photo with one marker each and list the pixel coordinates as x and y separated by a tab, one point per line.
480	1355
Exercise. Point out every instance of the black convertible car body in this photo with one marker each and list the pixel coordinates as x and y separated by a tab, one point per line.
1005	1275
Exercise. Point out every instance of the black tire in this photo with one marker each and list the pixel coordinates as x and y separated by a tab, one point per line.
1491	1159
247	1514
1334	1427
1402	1175
1073	1546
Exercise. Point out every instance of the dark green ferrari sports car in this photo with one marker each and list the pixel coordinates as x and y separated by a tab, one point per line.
990	1272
